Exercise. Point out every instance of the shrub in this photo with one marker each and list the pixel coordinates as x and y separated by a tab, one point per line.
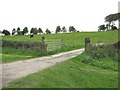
86	59
24	45
102	51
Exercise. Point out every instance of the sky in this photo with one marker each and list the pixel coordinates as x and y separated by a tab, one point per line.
84	15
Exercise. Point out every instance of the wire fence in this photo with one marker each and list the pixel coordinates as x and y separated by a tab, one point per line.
53	44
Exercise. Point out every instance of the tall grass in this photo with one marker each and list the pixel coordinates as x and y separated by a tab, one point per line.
70	41
104	56
69	74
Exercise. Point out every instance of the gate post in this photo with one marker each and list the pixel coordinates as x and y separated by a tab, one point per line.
43	44
62	42
87	43
43	40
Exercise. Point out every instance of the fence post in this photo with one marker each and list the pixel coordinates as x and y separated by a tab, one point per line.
87	43
43	40
62	42
43	44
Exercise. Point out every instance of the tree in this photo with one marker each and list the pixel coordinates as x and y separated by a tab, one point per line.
112	18
14	31
107	27
34	30
18	31
113	27
40	30
22	33
101	28
72	29
5	32
48	31
64	29
25	31
58	29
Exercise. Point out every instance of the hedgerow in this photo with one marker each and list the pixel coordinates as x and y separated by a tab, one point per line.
23	45
104	56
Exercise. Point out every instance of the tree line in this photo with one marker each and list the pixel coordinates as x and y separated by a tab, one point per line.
25	31
110	20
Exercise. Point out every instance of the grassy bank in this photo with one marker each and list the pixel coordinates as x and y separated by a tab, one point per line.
107	37
71	41
70	74
97	68
12	54
104	56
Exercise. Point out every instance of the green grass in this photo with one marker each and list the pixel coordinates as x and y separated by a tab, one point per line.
75	38
104	56
69	74
105	63
71	41
12	54
72	73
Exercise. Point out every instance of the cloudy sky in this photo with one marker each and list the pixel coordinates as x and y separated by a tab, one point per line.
84	15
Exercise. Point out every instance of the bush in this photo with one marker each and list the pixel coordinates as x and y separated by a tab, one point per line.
23	45
102	51
86	59
103	56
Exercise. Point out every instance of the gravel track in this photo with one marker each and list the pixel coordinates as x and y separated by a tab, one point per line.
18	69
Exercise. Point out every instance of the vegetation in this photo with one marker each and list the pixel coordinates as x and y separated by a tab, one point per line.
64	29
110	19
40	31
69	74
20	44
72	29
25	30
77	41
13	31
34	30
48	31
12	54
58	29
77	38
102	27
104	56
96	68
5	32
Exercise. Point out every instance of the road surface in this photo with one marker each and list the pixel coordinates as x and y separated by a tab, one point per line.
16	70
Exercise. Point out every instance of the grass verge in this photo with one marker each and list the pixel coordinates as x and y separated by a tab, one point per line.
11	54
69	74
71	41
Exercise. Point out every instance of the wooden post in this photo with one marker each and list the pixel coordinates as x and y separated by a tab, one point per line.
43	45
43	40
62	42
87	43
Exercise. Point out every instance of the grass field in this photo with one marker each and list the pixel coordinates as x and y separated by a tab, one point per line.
69	74
71	41
72	73
78	38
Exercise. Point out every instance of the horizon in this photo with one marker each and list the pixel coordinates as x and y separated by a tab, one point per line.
49	14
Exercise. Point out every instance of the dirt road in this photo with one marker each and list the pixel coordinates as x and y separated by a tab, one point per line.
15	70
